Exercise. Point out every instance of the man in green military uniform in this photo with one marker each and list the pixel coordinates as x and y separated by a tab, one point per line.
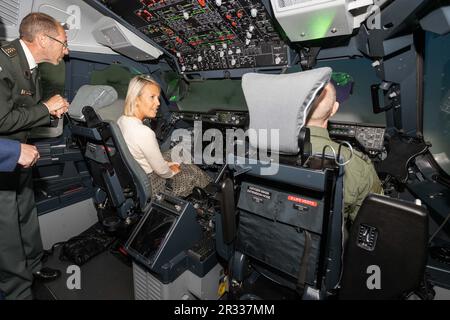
360	177
42	39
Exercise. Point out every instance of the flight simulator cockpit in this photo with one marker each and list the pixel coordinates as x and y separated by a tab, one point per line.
241	81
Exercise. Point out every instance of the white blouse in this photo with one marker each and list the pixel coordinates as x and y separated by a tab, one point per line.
143	146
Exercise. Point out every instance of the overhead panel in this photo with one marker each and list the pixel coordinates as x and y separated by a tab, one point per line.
208	35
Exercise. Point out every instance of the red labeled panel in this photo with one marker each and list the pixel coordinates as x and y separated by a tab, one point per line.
307	202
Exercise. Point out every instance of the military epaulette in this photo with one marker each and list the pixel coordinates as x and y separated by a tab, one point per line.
9	50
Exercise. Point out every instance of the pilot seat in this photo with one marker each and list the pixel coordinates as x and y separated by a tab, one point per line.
122	191
290	232
173	251
289	206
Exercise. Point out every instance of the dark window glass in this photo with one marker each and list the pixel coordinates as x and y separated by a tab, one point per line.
53	79
436	117
203	96
358	106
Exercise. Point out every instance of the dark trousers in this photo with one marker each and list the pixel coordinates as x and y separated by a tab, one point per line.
20	239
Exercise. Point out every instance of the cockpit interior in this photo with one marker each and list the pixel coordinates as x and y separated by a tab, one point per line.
239	80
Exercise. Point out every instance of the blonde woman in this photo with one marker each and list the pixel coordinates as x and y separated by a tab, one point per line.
142	102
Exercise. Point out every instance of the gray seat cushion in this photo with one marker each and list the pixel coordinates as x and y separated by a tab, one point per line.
112	112
281	102
95	96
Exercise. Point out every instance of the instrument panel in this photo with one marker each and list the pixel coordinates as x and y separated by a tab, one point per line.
224	118
206	35
369	137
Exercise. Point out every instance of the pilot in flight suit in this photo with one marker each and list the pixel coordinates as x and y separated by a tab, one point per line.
21	110
360	177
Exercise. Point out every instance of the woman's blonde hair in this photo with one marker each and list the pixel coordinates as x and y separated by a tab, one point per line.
134	91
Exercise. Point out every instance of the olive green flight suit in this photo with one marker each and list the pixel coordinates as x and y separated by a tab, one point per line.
20	111
360	177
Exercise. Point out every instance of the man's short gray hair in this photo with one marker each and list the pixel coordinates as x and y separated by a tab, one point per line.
35	23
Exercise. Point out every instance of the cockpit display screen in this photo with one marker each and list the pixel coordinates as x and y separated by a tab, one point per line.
151	235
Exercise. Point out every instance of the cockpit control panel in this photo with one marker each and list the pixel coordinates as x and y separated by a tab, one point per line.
224	118
206	35
369	137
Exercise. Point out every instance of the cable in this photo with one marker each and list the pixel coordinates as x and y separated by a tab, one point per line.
339	154
336	160
336	157
341	273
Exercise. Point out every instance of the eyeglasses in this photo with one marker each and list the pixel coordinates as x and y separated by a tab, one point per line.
64	44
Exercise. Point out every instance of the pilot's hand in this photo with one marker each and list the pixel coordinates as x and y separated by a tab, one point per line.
57	106
28	155
175	167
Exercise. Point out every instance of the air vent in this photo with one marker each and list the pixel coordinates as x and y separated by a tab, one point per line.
9	12
146	286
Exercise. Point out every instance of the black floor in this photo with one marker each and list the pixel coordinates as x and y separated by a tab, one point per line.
104	277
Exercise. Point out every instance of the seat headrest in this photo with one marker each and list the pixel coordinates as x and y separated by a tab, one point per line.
282	102
95	96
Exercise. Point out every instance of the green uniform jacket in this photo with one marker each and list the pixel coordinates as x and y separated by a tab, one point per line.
360	177
20	105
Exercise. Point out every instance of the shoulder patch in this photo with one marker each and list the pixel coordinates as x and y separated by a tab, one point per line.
9	50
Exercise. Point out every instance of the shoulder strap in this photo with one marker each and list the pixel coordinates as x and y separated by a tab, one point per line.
16	66
303	271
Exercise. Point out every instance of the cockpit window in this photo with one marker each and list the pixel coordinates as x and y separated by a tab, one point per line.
207	95
116	76
53	79
436	115
355	74
358	106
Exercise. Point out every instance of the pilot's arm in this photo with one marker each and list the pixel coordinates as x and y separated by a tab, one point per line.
14	117
152	153
360	179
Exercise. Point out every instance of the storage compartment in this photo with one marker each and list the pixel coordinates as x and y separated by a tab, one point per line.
283	221
60	177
